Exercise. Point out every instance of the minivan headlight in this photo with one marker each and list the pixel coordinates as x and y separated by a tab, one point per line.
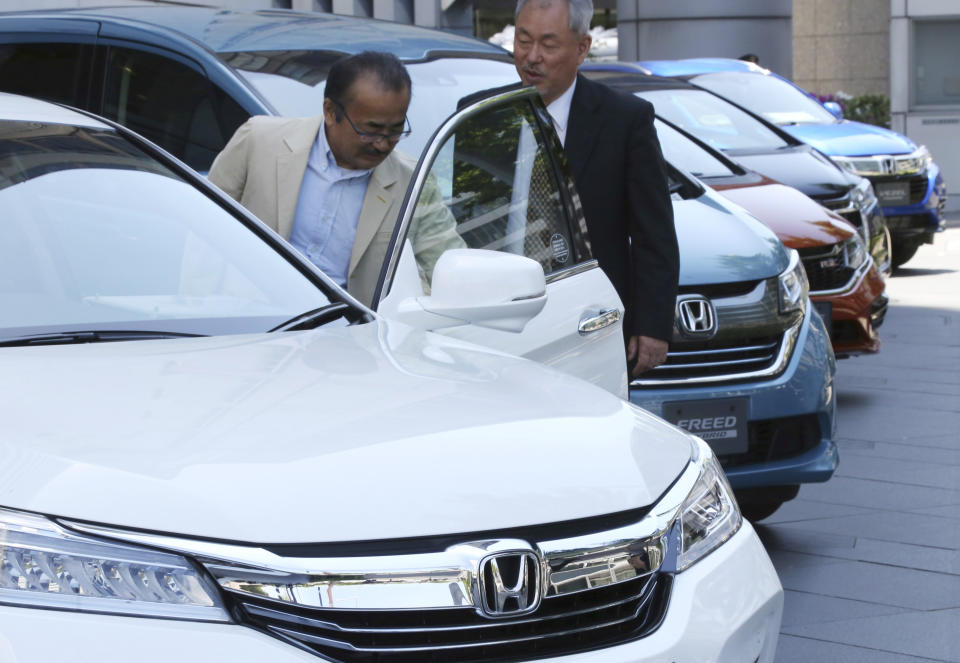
793	285
916	162
868	165
710	515
43	565
863	195
855	253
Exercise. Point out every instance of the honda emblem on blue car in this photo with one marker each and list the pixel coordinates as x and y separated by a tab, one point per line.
696	316
510	584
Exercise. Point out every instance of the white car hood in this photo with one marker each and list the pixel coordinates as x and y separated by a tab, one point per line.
365	432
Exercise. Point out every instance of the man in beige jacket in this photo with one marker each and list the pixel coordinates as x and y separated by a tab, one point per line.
333	184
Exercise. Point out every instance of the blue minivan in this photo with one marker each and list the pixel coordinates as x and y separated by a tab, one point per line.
751	366
904	175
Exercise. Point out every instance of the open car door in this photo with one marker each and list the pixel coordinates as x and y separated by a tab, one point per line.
491	246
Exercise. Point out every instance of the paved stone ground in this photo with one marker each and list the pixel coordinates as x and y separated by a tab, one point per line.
870	560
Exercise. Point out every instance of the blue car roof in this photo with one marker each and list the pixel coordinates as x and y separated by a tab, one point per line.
226	30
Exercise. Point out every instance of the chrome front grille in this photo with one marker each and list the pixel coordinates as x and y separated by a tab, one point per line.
709	359
602	580
752	341
562	625
826	267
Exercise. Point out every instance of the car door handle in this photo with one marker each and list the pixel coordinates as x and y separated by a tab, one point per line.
599	321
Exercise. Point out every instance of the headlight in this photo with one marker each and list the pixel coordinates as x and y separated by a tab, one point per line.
860	165
710	514
46	566
915	162
863	194
793	285
855	253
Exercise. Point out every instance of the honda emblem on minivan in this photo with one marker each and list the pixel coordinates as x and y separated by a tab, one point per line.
696	316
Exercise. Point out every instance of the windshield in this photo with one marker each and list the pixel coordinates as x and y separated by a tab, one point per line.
297	91
683	153
776	100
716	122
97	235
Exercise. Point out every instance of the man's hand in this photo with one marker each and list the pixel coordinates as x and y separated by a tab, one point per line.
644	353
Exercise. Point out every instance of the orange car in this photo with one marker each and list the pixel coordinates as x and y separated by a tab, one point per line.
845	286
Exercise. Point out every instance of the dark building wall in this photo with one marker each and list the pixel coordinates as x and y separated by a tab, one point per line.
654	30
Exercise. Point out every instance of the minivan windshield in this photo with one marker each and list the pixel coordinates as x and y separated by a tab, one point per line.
776	100
293	83
97	235
713	120
684	153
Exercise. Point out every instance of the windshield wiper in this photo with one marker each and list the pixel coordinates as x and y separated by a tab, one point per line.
98	336
314	318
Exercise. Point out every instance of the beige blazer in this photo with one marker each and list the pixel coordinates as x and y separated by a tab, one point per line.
262	168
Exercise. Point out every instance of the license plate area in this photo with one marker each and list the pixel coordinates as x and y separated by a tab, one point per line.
893	193
720	422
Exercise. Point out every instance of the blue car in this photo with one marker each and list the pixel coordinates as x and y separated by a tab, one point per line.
751	367
904	175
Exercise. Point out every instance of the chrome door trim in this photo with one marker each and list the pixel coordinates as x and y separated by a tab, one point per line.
579	268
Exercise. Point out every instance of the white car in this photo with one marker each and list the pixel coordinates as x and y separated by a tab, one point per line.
212	453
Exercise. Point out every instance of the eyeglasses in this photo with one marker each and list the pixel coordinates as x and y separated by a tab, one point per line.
374	136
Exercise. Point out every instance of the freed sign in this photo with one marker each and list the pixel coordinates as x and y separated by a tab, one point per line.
721	422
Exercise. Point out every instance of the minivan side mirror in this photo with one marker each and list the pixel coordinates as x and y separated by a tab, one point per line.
491	289
835	109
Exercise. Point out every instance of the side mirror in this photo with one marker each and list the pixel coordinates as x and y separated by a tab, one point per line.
474	286
835	109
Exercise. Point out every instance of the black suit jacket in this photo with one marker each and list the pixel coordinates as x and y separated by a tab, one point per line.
618	169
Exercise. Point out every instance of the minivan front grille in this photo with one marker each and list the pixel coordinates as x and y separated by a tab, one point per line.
723	360
564	624
826	267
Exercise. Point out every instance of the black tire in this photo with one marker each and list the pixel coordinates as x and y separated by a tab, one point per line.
759	503
903	250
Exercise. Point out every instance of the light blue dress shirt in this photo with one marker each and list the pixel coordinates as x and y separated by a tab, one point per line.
328	210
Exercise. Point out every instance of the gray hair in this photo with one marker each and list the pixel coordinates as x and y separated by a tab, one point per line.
581	13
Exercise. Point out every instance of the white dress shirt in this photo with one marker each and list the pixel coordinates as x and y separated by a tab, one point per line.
559	111
328	211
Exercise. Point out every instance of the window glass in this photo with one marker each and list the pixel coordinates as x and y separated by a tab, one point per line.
58	72
293	83
936	80
95	234
494	177
682	152
171	104
776	100
716	122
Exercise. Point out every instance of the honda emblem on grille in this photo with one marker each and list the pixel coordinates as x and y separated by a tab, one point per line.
696	316
509	583
888	165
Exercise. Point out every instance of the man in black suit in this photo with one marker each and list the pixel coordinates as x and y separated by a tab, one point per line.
617	166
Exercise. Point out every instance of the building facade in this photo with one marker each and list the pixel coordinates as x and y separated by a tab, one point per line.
842	45
925	81
655	30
